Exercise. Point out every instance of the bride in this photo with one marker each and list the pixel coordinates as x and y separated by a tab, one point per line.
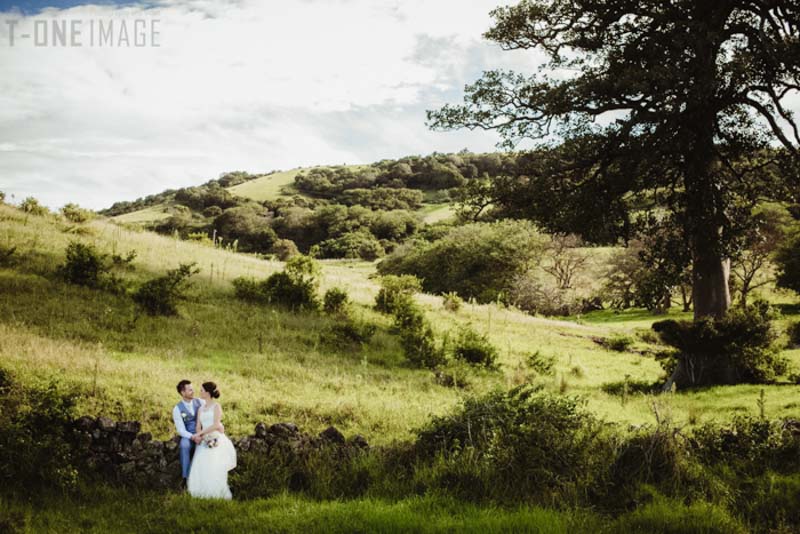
215	454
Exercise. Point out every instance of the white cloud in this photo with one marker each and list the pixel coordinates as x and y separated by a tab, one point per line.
249	85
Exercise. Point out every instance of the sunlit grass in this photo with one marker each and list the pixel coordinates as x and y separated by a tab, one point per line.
127	368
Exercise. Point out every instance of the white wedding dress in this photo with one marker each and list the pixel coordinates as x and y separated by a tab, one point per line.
208	475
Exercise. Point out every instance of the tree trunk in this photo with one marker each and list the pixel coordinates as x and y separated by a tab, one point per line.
710	292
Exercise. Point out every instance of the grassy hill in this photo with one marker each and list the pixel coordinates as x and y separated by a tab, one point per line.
272	365
128	368
271	187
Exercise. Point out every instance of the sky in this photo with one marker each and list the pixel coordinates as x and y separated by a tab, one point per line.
252	85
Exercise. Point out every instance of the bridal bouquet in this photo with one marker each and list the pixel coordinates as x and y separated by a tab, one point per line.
211	440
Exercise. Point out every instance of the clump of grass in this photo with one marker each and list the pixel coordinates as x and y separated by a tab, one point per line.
452	302
619	343
577	371
538	362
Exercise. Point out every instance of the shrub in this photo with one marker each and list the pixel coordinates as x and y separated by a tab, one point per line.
739	348
360	244
84	265
2	197
349	333
534	296
618	342
335	301
394	289
34	439
474	348
416	336
31	205
294	288
787	260
285	249
544	365
250	289
477	260
516	445
7	255
283	289
76	214
160	296
451	302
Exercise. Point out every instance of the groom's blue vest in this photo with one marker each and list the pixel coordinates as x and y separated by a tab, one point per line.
189	419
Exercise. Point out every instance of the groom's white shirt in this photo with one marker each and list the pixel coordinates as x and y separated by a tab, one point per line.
178	420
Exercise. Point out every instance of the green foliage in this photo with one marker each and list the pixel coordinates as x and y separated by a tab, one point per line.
787	261
623	388
34	438
160	295
31	205
618	342
322	473
544	365
663	516
335	301
85	266
76	214
359	244
285	249
294	288
2	197
475	260
452	302
349	333
516	445
395	289
749	446
416	335
249	225
739	348
474	348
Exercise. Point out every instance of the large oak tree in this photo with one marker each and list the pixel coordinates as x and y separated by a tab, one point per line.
680	102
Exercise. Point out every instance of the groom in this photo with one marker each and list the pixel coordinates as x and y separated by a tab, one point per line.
184	416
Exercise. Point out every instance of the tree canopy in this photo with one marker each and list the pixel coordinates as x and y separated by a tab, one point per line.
678	104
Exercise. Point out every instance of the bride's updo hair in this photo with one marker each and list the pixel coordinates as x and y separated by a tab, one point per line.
211	389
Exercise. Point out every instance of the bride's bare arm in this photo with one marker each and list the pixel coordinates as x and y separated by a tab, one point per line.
217	425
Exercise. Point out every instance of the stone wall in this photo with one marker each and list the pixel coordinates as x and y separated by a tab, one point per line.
119	452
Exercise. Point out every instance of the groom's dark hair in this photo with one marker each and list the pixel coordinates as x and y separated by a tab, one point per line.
182	384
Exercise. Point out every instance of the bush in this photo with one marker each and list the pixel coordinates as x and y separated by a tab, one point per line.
739	348
474	348
335	301
76	214
85	266
618	343
360	244
294	288
395	288
787	260
416	336
477	260
34	439
451	302
2	197
285	249
31	205
520	445
535	297
349	334
160	296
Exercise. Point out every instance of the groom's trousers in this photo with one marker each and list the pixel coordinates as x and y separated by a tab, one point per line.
187	447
